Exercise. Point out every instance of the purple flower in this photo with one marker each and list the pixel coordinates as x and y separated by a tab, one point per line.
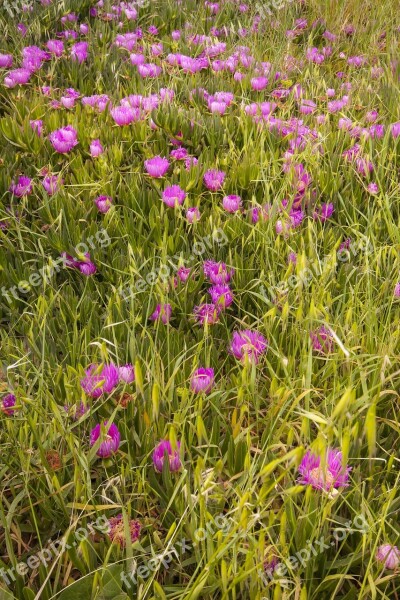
207	313
217	272
100	379
23	187
202	380
397	290
162	313
173	196
373	188
156	166
321	340
324	212
52	183
6	61
96	148
395	129
249	344
37	126
126	373
125	115
183	273
193	214
179	154
221	294
213	180
324	477
163	451
56	47
79	51
17	77
232	203
64	139
103	203
7	404
259	83
389	556
110	437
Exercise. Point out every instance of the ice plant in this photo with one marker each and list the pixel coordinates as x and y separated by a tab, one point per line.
110	439
117	533
103	203
221	295
248	344
162	313
202	380
232	203
126	373
322	340
389	556
7	405
206	313
22	187
217	272
156	166
324	475
100	379
64	139
164	452
173	196
193	214
52	184
213	180
96	148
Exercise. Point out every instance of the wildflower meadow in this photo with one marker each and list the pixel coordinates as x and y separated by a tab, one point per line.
199	299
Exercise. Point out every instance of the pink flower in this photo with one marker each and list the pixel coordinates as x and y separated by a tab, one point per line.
183	274
373	188
259	83
173	196
23	187
56	47
99	380
207	314
213	180
103	203
6	61
17	77
156	166
117	530
217	272
125	115
64	139
193	214
52	184
126	373
7	405
163	451
96	148
221	295
324	212
389	556
202	380
79	51
249	344
232	203
397	290
110	437
162	313
37	126
324	477
322	340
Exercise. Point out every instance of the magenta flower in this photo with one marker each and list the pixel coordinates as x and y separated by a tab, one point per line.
179	154
163	451
324	477
110	439
96	148
395	129
193	214
202	380
217	272
103	203
17	77
397	290
85	265
249	344
124	115
55	47
213	179
156	166
221	295
100	379
6	61
232	203
389	556
259	83
126	373
162	313
173	196
324	212
79	51
207	313
7	405
52	184
321	340
23	187
183	273
373	188
37	126
64	139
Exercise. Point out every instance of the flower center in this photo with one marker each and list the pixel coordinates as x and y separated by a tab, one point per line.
323	477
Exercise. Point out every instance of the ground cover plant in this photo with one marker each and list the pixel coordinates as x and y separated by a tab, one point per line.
199	275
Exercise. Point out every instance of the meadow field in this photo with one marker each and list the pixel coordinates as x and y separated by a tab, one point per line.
200	294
